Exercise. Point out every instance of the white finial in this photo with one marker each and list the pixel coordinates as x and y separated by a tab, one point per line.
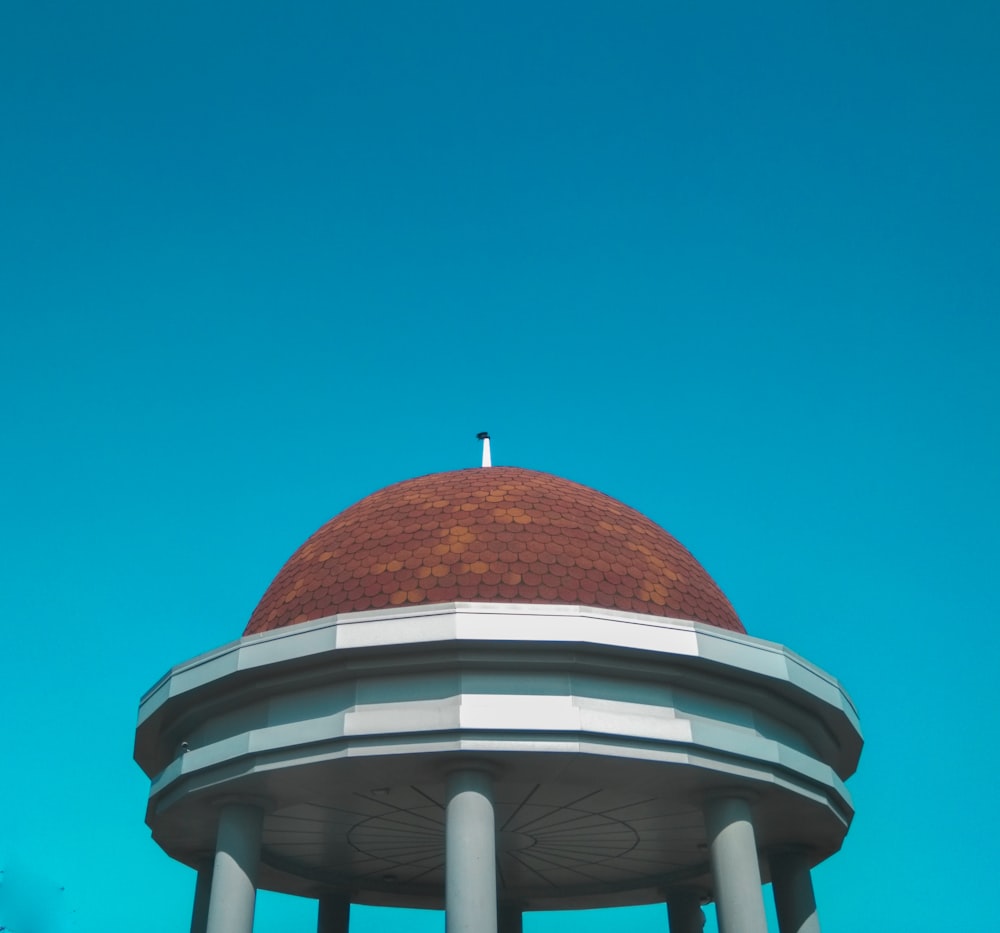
484	436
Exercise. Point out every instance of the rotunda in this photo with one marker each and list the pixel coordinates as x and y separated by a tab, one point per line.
493	691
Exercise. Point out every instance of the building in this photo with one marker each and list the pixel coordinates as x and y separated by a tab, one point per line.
493	691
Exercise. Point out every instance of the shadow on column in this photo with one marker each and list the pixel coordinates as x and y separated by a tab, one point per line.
794	900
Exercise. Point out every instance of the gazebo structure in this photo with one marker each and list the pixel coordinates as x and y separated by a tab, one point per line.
495	691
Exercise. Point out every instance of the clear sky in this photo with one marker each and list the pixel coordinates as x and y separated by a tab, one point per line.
734	264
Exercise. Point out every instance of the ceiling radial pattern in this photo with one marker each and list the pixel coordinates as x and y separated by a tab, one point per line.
548	838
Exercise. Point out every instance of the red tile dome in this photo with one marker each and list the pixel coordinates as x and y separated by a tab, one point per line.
497	534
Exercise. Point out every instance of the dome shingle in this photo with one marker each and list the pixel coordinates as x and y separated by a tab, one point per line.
500	534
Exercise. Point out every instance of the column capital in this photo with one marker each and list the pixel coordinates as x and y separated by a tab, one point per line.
719	794
791	851
685	892
471	763
257	802
203	858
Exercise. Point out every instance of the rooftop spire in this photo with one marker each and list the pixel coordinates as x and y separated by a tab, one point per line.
484	436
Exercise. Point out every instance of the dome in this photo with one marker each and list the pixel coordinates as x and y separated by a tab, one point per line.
496	534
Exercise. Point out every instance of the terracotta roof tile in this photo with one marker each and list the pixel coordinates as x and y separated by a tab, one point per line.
486	534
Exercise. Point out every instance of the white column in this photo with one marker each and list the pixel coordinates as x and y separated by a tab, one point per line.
684	913
234	876
202	893
470	886
334	914
735	871
794	900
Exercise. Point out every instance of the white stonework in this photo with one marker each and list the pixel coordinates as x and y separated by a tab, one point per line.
605	733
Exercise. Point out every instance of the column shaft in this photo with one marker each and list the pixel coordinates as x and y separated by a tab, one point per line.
684	913
510	919
234	876
334	914
470	888
202	893
735	871
794	900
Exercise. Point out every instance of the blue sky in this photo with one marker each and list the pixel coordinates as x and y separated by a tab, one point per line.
736	267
